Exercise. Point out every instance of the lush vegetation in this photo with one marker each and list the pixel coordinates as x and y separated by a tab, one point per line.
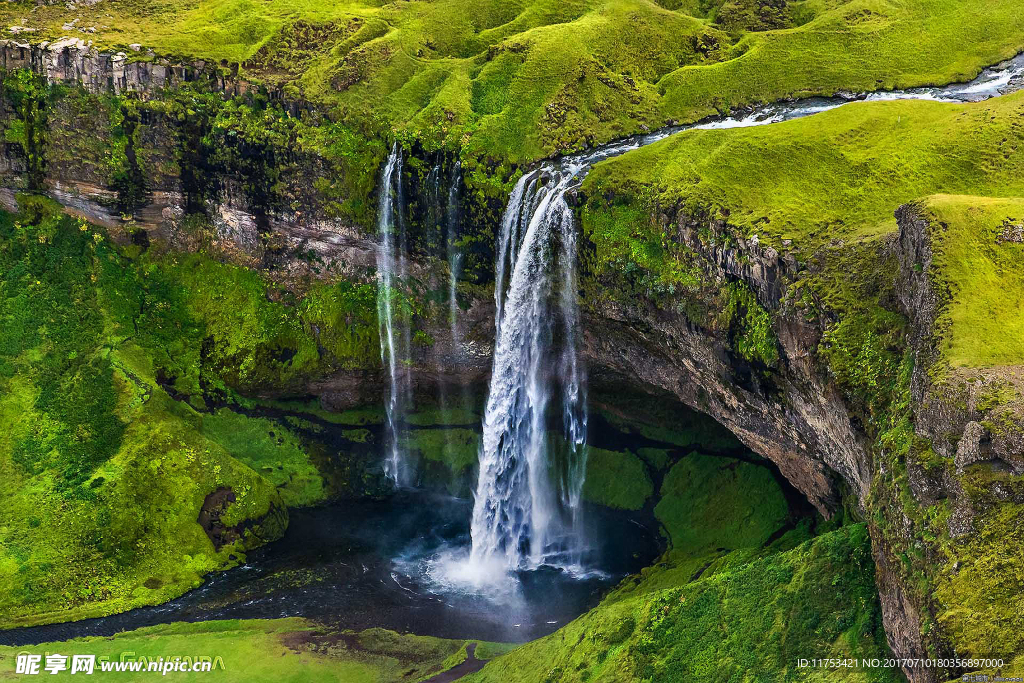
129	376
839	175
287	650
103	473
522	79
837	179
708	503
729	616
976	264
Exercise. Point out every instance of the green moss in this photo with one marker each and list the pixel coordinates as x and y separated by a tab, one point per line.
975	272
617	479
709	503
517	81
979	585
655	457
665	422
750	326
457	448
30	97
753	620
838	175
270	449
103	473
346	316
287	650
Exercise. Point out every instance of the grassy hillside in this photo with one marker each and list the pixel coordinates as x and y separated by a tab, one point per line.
285	650
839	175
977	257
522	79
105	357
740	616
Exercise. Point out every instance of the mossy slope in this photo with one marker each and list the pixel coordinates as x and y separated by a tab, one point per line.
752	619
286	650
104	472
838	175
977	252
836	181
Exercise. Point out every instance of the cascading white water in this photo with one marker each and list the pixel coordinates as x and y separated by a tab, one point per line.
394	343
526	507
455	257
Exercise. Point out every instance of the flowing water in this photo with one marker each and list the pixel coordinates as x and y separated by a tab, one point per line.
394	321
527	500
526	511
455	259
360	565
403	563
454	253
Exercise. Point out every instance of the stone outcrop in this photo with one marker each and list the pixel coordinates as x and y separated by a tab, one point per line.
76	61
795	416
954	410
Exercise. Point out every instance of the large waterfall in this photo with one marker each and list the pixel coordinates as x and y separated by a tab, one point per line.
391	309
527	502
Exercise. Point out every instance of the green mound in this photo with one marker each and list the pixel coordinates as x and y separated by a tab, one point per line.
286	650
270	449
748	621
710	503
103	473
617	479
839	175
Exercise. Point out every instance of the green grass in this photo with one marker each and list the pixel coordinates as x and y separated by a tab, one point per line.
103	474
978	589
979	279
857	45
270	449
749	621
286	650
617	479
709	503
518	80
665	422
839	175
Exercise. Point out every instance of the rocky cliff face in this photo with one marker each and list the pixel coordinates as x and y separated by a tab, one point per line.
791	414
961	481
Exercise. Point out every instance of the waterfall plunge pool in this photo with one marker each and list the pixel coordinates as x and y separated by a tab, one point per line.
358	565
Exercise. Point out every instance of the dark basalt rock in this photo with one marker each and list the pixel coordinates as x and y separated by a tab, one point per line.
252	532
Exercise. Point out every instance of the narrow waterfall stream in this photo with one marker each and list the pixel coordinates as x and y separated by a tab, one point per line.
527	504
391	314
454	253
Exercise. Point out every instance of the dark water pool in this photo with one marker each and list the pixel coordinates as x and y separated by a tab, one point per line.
359	565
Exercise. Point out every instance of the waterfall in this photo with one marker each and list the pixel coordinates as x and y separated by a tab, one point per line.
391	309
454	255
527	503
526	508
